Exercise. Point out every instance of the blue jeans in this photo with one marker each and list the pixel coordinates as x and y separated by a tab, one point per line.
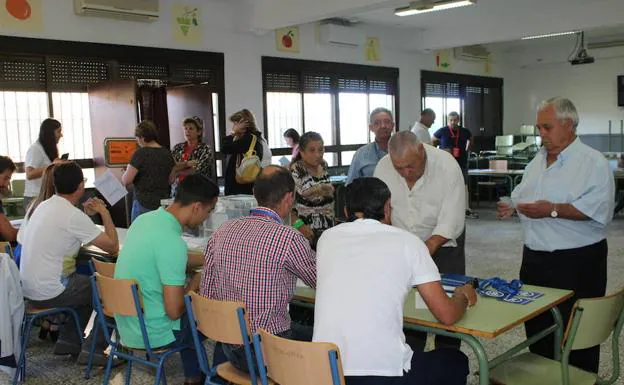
235	354
137	210
188	356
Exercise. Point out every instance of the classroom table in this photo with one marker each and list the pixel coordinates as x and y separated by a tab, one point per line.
512	176
489	318
195	245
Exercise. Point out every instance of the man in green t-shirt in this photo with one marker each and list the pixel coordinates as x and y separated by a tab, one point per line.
155	255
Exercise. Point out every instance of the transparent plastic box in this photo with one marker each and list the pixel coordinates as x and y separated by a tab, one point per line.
227	208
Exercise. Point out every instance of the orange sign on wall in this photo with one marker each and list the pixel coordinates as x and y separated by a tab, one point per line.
118	151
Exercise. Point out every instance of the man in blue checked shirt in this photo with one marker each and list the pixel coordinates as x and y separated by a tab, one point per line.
565	202
365	160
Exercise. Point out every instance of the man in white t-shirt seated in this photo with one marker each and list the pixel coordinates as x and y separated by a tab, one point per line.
50	245
365	269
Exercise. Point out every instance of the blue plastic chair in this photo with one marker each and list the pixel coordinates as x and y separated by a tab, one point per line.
297	363
32	314
225	322
122	297
107	269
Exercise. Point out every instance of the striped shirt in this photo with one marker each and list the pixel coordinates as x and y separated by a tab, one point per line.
314	206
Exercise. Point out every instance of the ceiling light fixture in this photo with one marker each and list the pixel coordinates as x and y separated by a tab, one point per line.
424	6
555	34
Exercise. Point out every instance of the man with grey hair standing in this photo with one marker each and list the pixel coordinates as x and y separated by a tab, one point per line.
565	202
365	160
428	200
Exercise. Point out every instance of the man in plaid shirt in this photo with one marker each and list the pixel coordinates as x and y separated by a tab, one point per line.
257	259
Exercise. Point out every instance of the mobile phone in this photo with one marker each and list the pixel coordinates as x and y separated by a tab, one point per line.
65	156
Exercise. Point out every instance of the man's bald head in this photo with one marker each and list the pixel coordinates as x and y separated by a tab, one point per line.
272	185
402	142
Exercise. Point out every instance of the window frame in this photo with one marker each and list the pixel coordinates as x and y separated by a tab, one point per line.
182	67
301	70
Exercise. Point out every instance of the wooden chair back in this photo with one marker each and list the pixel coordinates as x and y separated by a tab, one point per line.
106	269
218	320
298	363
116	295
599	318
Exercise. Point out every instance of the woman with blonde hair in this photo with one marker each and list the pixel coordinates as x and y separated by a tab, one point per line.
235	145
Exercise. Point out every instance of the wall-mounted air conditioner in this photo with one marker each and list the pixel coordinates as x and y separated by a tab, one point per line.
472	52
340	35
136	10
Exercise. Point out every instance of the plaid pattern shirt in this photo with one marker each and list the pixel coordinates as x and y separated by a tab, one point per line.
257	260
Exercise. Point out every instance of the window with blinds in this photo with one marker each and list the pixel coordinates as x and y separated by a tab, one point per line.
333	99
477	99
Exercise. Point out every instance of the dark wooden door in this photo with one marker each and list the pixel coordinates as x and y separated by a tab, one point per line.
113	112
186	102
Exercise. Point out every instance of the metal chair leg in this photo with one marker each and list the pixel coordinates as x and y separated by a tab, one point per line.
109	366
129	370
92	350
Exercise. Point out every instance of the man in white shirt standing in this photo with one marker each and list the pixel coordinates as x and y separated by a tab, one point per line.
51	241
365	269
429	201
421	128
565	203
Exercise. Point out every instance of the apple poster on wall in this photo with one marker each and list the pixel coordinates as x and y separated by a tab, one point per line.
21	15
287	39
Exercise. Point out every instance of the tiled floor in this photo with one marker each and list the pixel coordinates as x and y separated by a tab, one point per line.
493	249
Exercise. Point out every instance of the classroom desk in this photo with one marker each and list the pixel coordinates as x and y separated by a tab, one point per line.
512	176
489	318
196	246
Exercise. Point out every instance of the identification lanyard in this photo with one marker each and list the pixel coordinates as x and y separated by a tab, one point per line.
262	212
455	136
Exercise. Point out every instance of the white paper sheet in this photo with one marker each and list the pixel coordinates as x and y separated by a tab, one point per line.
110	187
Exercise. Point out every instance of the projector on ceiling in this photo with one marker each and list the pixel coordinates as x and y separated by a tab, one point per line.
580	55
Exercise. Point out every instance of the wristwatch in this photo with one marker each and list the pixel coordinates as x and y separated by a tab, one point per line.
554	212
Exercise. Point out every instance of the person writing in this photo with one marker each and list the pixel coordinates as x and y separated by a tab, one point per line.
365	270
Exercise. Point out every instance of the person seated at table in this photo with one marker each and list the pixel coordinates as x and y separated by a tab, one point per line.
365	270
314	193
155	255
257	259
50	324
50	245
8	233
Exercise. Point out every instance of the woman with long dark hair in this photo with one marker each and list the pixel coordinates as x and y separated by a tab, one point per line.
235	145
40	154
7	231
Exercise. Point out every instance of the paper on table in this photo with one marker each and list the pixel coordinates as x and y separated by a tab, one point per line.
110	187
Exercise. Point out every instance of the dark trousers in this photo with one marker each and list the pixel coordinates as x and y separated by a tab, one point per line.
235	354
78	296
583	270
184	336
437	367
450	260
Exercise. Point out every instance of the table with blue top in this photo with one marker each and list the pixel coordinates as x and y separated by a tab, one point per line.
488	319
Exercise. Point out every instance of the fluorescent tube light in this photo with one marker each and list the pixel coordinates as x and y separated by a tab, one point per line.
555	34
424	7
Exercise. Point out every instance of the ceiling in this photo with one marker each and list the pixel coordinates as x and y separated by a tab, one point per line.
489	21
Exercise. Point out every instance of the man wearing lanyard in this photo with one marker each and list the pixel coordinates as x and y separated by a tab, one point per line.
257	259
366	158
565	202
456	140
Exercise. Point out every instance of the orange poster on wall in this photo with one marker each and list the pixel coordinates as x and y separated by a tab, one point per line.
118	151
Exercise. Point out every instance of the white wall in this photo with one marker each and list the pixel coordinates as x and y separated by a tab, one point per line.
225	31
542	71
